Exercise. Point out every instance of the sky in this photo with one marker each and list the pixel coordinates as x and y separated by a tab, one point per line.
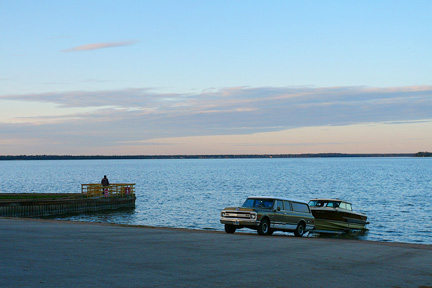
215	77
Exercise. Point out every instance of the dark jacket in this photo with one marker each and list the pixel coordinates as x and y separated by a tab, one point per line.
105	181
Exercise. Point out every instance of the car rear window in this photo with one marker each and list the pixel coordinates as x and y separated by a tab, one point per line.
300	207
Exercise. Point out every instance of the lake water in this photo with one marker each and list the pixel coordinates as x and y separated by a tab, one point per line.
395	193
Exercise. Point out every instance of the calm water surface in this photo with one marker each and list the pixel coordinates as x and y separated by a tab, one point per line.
393	192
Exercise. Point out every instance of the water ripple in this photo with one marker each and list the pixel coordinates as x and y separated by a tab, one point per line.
189	193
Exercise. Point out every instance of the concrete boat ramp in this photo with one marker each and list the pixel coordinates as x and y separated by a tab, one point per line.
48	253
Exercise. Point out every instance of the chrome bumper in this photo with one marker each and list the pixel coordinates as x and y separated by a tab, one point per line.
239	221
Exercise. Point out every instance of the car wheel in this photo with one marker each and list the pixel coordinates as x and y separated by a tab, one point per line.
230	228
264	227
300	230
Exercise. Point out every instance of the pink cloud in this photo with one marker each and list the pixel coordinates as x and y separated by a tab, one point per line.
95	46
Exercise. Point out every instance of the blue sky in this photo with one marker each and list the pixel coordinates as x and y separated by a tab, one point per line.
206	77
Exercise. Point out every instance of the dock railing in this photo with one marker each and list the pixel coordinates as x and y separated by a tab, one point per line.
112	190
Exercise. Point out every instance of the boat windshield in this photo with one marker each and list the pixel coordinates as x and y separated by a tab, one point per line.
324	203
258	203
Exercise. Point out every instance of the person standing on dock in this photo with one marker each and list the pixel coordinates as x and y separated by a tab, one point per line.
105	181
105	184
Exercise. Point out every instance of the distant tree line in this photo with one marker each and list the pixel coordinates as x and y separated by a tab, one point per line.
90	157
423	154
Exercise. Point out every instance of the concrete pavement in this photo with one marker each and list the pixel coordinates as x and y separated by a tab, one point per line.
46	253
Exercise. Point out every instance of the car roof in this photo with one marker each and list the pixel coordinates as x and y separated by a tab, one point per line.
278	198
328	199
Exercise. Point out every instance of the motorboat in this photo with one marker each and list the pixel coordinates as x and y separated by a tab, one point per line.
336	216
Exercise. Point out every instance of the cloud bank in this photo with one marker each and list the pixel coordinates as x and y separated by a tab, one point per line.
128	115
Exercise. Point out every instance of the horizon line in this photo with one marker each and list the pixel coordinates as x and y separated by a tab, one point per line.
210	156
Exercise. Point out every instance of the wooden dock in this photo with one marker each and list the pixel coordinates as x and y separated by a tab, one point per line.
93	197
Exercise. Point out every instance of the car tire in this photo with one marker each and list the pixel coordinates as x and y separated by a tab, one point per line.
230	228
300	230
264	227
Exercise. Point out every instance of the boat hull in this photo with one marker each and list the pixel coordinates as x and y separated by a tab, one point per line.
335	220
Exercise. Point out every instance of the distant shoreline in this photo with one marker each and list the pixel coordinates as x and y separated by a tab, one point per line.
227	156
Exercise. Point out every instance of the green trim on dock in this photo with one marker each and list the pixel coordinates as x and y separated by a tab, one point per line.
45	204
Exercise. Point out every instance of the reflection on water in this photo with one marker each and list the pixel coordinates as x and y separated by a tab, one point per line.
352	235
120	216
190	193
